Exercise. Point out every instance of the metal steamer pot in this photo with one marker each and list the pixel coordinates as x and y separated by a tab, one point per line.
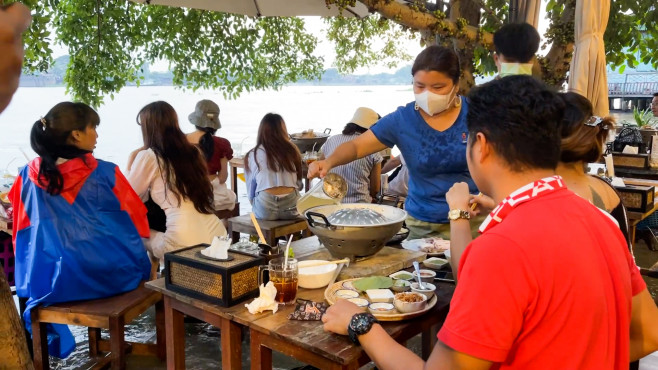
355	232
305	144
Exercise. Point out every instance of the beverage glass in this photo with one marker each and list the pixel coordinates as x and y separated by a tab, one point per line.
284	278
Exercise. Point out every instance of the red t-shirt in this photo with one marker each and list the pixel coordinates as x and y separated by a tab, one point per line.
548	288
222	150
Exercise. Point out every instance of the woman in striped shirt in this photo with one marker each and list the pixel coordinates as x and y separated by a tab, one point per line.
362	175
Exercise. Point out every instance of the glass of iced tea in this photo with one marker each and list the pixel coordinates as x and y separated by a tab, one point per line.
284	278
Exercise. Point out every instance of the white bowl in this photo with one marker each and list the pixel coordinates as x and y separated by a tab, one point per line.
427	276
428	293
316	276
406	307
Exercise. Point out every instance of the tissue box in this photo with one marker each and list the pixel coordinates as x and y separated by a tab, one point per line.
630	160
636	198
222	283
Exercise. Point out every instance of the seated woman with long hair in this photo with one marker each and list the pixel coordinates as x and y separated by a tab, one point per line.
173	172
78	225
216	150
273	170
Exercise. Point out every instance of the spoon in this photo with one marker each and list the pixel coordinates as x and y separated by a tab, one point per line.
420	282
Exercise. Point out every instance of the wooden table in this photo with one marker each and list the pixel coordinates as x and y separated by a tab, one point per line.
303	340
635	217
638	173
238	162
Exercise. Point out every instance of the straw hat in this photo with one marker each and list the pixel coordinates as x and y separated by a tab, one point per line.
206	114
365	117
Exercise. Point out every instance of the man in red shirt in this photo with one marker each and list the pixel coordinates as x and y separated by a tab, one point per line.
550	283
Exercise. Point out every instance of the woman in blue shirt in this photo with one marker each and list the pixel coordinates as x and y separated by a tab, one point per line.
431	134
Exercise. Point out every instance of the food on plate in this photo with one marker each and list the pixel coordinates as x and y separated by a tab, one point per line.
401	275
348	285
346	294
401	286
373	282
434	245
379	295
410	297
410	302
361	302
434	262
380	308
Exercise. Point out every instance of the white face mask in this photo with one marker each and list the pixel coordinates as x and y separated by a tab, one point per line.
433	103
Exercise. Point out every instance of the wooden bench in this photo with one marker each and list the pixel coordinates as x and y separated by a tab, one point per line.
111	313
228	213
271	229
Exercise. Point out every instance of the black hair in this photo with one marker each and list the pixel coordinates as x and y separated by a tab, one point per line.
520	117
49	139
353	128
440	59
206	142
655	94
517	42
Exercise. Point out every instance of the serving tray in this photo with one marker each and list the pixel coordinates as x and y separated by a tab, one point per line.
395	315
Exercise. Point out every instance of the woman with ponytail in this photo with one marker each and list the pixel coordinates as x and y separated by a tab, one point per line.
78	225
583	137
216	151
174	173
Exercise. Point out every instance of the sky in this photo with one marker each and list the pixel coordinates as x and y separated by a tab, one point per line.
316	26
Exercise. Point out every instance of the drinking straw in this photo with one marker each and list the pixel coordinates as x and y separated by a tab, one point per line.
313	148
285	260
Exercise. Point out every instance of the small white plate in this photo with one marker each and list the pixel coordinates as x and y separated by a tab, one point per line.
416	244
435	263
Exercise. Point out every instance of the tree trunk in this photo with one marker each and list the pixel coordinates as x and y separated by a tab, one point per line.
13	348
469	11
555	65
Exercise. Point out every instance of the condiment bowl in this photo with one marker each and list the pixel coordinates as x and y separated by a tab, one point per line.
428	292
406	307
427	276
316	276
380	308
401	286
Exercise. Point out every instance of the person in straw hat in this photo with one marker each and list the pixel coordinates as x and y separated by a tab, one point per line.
216	150
362	176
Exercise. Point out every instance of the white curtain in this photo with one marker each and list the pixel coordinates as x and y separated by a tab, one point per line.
587	74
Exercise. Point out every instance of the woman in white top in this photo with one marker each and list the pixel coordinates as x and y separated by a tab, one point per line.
362	175
273	171
173	172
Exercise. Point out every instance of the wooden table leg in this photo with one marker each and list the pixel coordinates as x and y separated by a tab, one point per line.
428	340
94	336
234	179
231	337
39	342
261	356
175	330
160	331
117	342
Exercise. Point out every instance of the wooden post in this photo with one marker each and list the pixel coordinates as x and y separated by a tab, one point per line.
13	348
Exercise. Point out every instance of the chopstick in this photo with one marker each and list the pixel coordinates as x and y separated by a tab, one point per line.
260	233
345	260
474	205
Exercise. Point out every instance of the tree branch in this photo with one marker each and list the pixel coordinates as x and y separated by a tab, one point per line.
419	20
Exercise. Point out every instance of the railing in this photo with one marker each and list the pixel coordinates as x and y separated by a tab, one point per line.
634	85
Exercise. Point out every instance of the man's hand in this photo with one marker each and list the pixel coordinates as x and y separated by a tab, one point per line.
458	196
339	315
485	204
14	20
318	169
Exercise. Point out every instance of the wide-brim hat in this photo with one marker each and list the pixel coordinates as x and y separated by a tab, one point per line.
365	117
206	114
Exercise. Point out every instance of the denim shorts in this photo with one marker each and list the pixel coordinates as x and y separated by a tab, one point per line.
275	207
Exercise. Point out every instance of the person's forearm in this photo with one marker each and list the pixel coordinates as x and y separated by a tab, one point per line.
386	352
344	153
460	237
644	326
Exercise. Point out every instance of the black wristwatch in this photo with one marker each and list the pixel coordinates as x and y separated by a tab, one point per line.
360	324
